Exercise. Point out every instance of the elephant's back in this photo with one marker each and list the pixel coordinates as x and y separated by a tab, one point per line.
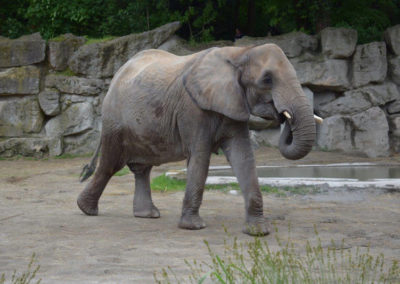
153	59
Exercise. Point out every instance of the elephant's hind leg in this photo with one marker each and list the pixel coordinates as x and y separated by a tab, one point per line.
110	163
143	206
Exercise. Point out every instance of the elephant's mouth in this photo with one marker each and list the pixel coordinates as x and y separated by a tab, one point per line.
272	114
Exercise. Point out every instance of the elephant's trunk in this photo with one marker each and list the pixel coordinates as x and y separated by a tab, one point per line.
299	133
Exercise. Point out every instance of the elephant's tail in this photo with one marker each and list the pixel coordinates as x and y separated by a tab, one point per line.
89	169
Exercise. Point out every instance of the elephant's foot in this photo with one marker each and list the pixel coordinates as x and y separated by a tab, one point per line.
191	222
87	205
146	212
256	226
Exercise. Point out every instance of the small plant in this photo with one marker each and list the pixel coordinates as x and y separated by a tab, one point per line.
26	277
256	262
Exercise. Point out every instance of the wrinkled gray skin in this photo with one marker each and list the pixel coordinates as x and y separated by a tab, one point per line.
162	108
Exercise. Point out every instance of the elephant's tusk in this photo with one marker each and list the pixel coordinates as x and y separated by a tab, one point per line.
318	119
288	116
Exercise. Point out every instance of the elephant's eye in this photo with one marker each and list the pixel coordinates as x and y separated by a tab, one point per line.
267	79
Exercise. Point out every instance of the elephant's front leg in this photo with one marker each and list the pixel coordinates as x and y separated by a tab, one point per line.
196	177
240	155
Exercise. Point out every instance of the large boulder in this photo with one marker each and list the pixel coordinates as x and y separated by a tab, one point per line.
19	116
338	42
369	64
323	98
49	101
335	134
74	85
104	59
62	48
394	69
76	119
293	44
319	73
83	143
25	50
394	125
392	38
310	95
365	132
31	147
175	45
20	80
359	100
266	137
371	132
394	107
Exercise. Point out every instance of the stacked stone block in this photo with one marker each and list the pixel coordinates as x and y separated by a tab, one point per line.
51	94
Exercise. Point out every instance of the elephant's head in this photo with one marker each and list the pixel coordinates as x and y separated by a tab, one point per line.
258	80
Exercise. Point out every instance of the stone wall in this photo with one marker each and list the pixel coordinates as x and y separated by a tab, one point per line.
51	93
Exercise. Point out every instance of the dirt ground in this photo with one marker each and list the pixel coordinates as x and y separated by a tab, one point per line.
38	214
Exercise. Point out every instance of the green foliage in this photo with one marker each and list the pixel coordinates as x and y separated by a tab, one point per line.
200	16
256	262
202	20
27	276
370	18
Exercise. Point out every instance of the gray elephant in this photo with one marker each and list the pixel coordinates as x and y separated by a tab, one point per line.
162	108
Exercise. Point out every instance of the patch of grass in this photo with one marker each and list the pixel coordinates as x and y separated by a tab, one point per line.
165	183
26	277
122	172
91	40
256	262
226	187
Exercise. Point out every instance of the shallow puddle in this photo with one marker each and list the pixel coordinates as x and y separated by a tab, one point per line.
362	172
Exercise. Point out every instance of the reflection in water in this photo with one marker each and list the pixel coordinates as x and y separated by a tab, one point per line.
361	173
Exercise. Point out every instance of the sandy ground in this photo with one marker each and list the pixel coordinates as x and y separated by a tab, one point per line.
38	214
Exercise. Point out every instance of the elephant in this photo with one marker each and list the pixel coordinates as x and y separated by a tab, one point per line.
161	108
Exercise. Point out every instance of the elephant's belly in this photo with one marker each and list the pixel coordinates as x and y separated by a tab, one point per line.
155	154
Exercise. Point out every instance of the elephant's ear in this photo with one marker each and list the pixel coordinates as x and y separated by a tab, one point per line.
213	84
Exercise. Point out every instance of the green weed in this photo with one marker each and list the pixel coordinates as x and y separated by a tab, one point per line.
256	262
26	277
